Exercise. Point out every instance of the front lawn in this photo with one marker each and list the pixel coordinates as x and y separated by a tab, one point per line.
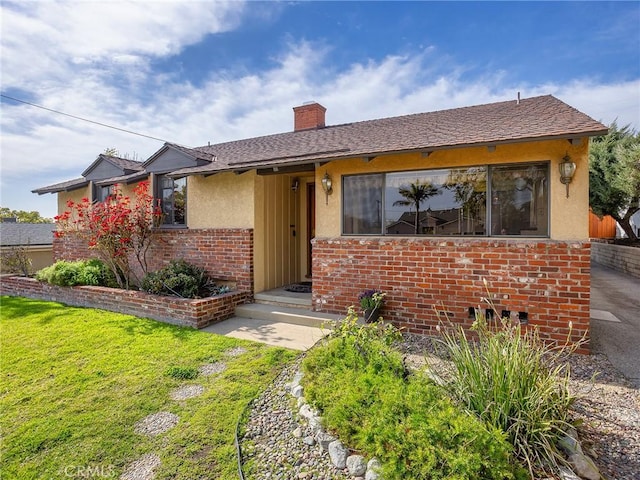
74	383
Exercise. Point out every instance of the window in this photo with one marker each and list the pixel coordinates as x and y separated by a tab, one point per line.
519	200
173	200
100	194
480	201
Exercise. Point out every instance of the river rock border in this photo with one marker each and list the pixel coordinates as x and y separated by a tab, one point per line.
355	465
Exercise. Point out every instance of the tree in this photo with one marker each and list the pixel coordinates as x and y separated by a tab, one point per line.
118	229
23	216
415	194
614	176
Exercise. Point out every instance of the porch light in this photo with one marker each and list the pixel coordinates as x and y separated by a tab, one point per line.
567	170
327	186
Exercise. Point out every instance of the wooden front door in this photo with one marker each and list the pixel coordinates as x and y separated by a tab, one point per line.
311	224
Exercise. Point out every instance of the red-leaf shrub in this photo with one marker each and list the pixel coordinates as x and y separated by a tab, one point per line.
118	228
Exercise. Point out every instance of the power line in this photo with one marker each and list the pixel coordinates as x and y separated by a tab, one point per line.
83	119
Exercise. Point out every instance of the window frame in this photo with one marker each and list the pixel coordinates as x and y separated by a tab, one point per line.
158	194
98	192
489	168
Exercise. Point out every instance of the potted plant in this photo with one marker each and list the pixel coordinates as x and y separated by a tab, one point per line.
371	302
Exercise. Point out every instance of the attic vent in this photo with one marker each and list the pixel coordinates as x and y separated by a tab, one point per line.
308	116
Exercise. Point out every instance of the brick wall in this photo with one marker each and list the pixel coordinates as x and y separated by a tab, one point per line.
619	257
197	313
547	280
226	254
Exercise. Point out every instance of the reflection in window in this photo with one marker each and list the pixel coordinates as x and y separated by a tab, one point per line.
436	202
173	200
457	201
102	193
362	202
519	201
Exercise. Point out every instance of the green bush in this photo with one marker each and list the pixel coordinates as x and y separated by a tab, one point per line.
506	379
367	398
80	272
182	373
181	279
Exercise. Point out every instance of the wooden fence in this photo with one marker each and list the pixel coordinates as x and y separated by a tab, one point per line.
601	228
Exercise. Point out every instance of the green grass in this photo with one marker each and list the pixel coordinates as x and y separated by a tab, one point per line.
74	382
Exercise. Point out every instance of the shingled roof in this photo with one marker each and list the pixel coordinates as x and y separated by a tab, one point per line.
14	234
63	186
131	170
531	119
127	166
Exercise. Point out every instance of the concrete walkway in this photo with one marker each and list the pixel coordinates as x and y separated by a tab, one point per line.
615	319
278	334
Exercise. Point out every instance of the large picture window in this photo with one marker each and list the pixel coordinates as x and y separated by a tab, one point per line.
173	200
481	200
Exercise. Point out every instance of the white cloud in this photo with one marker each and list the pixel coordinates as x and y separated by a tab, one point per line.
42	40
99	67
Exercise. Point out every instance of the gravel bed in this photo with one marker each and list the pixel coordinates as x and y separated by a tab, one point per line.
212	368
156	423
142	469
186	391
235	351
608	405
269	444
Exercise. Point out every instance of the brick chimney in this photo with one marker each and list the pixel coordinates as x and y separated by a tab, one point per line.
308	116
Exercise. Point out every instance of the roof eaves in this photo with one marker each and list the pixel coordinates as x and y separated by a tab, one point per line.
62	186
126	179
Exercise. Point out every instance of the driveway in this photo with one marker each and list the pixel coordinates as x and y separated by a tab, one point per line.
615	319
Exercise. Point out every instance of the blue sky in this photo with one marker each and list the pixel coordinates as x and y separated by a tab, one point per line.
194	72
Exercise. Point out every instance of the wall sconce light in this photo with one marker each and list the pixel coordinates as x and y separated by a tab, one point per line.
295	183
567	169
327	186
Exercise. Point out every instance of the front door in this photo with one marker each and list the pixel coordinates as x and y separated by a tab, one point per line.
311	224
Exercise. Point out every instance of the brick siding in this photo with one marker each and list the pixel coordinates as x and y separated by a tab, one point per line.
226	254
196	313
549	280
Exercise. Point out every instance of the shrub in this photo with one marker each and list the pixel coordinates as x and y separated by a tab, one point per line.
80	272
358	382
182	373
181	279
505	378
17	260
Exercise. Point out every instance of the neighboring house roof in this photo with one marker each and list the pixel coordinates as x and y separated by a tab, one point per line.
127	166
63	186
15	234
529	119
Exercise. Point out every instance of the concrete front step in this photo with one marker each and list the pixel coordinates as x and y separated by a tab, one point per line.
284	298
286	314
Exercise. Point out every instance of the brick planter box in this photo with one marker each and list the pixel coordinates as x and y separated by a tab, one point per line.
196	313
